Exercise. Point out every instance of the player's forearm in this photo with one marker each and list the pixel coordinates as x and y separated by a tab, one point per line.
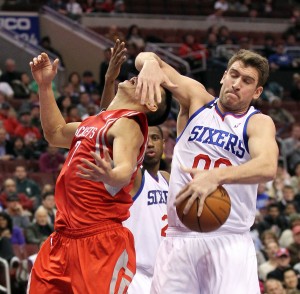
253	172
108	93
51	117
145	57
121	175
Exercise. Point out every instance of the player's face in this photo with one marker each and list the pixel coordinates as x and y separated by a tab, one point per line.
155	146
128	86
239	88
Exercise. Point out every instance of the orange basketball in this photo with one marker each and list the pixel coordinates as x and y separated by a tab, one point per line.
215	212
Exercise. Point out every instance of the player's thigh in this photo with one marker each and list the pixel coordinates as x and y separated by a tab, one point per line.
140	284
174	271
230	266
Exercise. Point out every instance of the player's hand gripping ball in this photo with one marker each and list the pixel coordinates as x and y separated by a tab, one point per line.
215	212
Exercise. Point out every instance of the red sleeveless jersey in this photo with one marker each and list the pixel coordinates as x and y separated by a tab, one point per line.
82	203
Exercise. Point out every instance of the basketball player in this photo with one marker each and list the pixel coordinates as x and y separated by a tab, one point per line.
221	141
148	214
91	252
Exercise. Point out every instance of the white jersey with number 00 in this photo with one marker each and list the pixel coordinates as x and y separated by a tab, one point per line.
215	140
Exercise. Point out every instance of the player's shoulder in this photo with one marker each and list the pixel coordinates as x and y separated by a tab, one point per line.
260	122
165	174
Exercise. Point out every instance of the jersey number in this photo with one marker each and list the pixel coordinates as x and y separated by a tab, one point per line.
77	144
163	230
207	161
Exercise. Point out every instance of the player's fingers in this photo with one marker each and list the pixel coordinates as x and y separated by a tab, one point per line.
144	90
158	94
151	94
201	205
189	203
137	94
55	64
107	156
183	194
91	165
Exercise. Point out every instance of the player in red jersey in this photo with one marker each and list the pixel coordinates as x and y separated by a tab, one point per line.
90	251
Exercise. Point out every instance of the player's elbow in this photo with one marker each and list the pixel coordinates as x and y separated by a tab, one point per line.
269	172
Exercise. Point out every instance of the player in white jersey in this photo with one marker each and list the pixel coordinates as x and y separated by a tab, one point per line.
222	141
148	214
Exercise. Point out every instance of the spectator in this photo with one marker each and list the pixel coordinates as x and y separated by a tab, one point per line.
268	46
47	45
20	216
272	248
6	147
120	6
21	87
49	204
75	86
294	248
192	51
295	90
290	147
10	188
74	9
273	220
27	186
263	199
88	82
283	262
26	130
20	150
63	103
282	118
51	161
10	73
220	6
291	279
8	230
114	33
288	194
6	90
84	101
295	179
280	59
286	237
134	36
9	122
58	5
89	6
73	114
273	286
107	6
40	229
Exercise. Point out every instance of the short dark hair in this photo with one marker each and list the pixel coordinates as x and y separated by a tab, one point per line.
162	113
253	59
46	194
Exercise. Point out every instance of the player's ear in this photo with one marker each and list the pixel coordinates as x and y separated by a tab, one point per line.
152	108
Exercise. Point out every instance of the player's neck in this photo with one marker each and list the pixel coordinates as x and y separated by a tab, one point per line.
152	170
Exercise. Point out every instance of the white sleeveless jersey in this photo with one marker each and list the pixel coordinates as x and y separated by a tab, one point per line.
214	140
148	220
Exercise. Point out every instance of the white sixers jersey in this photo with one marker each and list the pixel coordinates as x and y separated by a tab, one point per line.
148	219
213	140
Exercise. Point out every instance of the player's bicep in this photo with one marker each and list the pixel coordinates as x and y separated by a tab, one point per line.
262	143
127	142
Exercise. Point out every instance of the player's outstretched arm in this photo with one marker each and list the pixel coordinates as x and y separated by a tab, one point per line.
127	140
155	72
117	58
55	129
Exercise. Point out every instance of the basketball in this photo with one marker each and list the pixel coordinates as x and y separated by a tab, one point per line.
215	212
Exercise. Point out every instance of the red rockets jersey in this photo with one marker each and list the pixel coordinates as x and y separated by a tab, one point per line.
80	202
